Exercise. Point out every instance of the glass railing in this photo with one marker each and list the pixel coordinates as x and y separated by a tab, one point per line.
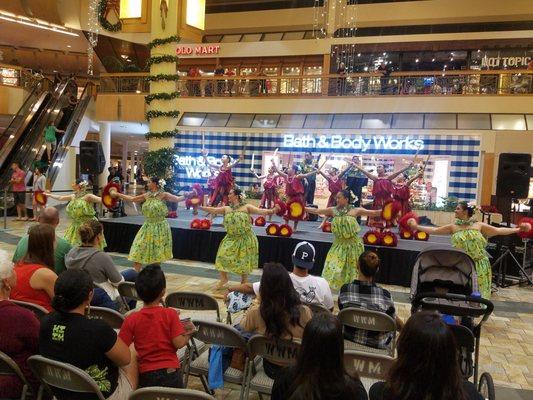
517	82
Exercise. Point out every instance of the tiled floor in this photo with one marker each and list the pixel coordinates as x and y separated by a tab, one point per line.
506	349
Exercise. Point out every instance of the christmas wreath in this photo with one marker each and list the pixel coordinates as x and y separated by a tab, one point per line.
161	135
163	77
167	58
104	7
161	96
157	113
161	42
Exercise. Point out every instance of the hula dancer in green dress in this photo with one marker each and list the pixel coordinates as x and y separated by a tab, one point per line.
470	236
239	251
153	242
80	208
340	266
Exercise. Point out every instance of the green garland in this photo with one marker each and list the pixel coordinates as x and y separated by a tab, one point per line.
161	96
163	77
160	42
157	113
162	135
108	26
167	58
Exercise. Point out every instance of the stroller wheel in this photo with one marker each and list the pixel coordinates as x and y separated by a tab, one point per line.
486	386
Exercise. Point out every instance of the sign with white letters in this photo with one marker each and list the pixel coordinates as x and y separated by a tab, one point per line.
359	142
195	166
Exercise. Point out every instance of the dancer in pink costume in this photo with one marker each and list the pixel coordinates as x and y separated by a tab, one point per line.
224	180
270	186
401	192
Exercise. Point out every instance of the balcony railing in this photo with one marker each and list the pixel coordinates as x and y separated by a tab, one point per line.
517	82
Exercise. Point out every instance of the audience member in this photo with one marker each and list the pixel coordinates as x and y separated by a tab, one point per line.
39	185
21	339
364	293
280	313
312	289
35	274
19	191
49	216
66	335
156	333
99	265
319	373
427	365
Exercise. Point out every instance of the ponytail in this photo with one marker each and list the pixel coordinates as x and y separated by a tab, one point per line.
71	289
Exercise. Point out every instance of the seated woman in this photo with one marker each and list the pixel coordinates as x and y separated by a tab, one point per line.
319	374
99	265
280	313
89	344
427	365
21	340
35	271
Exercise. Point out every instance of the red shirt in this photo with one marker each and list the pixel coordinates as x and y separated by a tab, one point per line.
18	176
151	330
23	290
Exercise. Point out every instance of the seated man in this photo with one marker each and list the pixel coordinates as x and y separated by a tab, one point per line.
312	289
364	293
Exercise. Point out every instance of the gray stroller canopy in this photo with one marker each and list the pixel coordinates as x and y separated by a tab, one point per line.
444	264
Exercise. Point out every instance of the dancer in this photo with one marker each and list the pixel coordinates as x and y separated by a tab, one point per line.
401	191
294	188
471	236
153	242
195	198
356	180
335	183
381	190
80	208
239	251
224	180
340	266
270	186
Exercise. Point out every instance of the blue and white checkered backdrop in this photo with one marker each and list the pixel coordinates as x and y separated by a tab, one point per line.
462	151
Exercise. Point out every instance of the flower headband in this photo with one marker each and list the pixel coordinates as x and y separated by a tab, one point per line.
83	184
162	183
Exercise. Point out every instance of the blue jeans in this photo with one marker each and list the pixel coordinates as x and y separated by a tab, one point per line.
102	299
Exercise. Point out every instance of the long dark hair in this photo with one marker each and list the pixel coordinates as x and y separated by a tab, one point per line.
427	367
280	303
320	371
41	246
466	207
71	289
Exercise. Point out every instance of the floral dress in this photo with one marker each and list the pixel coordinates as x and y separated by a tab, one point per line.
239	250
79	211
473	243
340	266
153	242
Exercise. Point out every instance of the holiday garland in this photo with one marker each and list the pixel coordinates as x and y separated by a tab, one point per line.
162	135
161	96
108	26
157	113
161	42
163	77
167	58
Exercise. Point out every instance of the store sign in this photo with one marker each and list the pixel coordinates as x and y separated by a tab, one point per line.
195	166
504	62
359	143
199	50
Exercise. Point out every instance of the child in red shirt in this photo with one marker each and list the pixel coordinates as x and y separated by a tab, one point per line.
156	332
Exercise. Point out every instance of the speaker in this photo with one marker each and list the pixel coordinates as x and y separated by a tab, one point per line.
92	159
513	175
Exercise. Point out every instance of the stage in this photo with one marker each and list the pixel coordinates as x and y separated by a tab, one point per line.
199	245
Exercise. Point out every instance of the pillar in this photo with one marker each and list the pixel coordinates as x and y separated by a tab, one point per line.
124	158
105	139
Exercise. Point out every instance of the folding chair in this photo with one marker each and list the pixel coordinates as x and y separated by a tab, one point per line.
280	351
127	291
38	310
317	308
216	333
368	320
8	367
160	393
113	318
371	368
55	374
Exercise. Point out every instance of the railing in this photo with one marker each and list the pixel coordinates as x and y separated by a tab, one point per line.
517	82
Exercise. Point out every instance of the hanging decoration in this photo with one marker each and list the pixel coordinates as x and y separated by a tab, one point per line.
167	58
334	18
161	135
162	41
92	36
161	96
157	113
107	8
163	9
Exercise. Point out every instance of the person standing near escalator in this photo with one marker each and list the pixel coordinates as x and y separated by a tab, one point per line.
50	139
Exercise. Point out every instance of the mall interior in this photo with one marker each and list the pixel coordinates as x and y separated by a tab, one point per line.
129	90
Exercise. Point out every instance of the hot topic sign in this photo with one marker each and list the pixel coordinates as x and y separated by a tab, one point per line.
359	143
199	50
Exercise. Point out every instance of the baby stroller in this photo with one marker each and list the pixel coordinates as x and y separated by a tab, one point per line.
444	280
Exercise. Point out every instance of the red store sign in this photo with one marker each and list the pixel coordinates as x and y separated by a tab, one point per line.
200	50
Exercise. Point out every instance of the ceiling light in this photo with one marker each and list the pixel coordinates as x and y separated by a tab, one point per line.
124	56
69	46
35	23
358	54
417	60
432	60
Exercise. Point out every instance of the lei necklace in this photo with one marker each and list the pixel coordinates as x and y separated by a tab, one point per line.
154	194
237	206
469	221
343	211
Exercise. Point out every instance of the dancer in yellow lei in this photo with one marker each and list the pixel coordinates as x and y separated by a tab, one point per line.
471	236
153	242
80	208
239	251
340	266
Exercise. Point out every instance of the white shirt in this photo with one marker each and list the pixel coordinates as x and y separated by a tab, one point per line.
312	289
